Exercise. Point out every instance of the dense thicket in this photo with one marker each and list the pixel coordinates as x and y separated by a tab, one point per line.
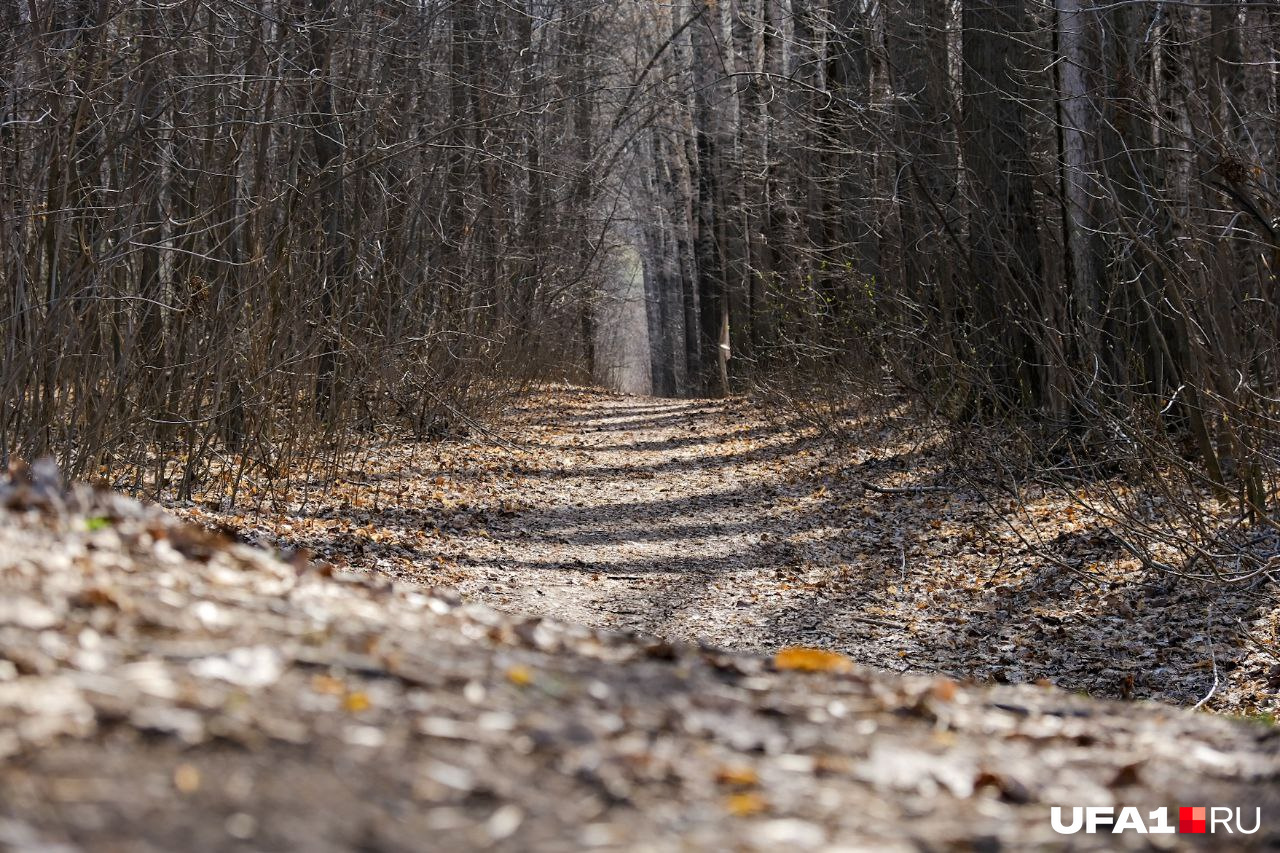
227	226
1063	211
234	226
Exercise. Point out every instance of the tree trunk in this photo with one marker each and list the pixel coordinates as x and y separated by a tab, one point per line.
335	265
1003	241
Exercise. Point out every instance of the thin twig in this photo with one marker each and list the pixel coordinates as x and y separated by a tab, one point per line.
1213	658
879	623
904	490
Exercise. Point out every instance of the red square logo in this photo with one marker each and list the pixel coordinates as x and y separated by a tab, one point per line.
1191	819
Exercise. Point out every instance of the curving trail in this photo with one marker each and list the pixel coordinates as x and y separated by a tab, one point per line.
677	518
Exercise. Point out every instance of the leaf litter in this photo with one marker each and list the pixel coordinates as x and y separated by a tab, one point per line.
168	684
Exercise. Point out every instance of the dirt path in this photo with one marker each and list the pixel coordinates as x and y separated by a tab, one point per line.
703	520
707	520
164	688
651	515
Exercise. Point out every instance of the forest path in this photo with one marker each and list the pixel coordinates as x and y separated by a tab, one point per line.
668	517
708	520
716	521
163	687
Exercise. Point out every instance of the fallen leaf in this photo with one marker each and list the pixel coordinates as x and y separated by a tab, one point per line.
186	778
327	685
745	804
737	776
811	660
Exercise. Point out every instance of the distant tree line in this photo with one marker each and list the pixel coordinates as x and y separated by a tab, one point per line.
228	228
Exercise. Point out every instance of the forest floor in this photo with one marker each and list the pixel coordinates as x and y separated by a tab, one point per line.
707	520
164	686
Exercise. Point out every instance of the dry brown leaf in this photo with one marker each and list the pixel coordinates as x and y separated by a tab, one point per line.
520	676
737	776
944	690
746	804
186	778
811	660
327	684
